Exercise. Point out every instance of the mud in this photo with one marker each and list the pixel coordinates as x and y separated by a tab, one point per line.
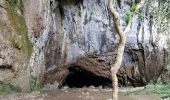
81	94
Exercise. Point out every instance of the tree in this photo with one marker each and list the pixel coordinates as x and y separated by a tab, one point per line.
122	34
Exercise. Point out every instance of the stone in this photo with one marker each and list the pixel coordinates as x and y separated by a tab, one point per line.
53	36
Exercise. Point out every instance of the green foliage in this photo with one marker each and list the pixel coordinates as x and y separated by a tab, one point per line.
168	42
168	15
128	17
12	2
160	89
164	90
163	1
168	62
133	8
16	4
161	14
168	66
129	14
9	88
35	85
18	24
14	88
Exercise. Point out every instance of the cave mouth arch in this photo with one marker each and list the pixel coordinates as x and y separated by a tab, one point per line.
79	78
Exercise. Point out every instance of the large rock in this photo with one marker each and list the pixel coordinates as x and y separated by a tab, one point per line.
76	34
15	48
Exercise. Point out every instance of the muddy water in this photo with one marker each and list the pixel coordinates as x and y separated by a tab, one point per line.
79	94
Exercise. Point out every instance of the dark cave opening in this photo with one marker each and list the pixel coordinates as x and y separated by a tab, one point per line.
79	78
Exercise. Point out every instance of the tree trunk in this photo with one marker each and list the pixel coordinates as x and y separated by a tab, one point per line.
116	66
120	49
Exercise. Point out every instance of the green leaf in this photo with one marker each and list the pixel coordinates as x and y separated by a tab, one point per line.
14	88
128	17
168	15
133	8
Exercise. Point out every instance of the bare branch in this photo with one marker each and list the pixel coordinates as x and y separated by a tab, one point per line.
113	11
127	27
116	16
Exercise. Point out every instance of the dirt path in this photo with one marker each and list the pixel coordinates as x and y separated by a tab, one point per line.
79	94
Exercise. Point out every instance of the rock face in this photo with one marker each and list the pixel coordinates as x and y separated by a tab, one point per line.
15	47
78	34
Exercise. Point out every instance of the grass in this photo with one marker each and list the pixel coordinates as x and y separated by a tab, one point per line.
35	85
9	88
163	90
159	89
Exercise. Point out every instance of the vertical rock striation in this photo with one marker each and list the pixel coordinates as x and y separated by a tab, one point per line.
80	34
72	28
15	47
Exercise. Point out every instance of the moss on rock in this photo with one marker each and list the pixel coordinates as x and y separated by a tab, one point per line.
14	34
17	23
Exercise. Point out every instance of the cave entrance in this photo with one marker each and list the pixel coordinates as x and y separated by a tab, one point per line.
79	78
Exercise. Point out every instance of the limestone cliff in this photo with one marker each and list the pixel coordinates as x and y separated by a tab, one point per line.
45	38
15	47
